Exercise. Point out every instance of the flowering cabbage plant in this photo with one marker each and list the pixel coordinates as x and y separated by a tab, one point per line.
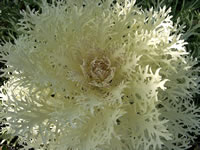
99	75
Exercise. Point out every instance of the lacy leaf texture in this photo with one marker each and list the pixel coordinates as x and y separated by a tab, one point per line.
99	75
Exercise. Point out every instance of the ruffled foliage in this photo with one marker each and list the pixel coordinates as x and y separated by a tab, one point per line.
99	75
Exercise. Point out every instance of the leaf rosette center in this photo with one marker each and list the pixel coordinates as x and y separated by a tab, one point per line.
98	71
